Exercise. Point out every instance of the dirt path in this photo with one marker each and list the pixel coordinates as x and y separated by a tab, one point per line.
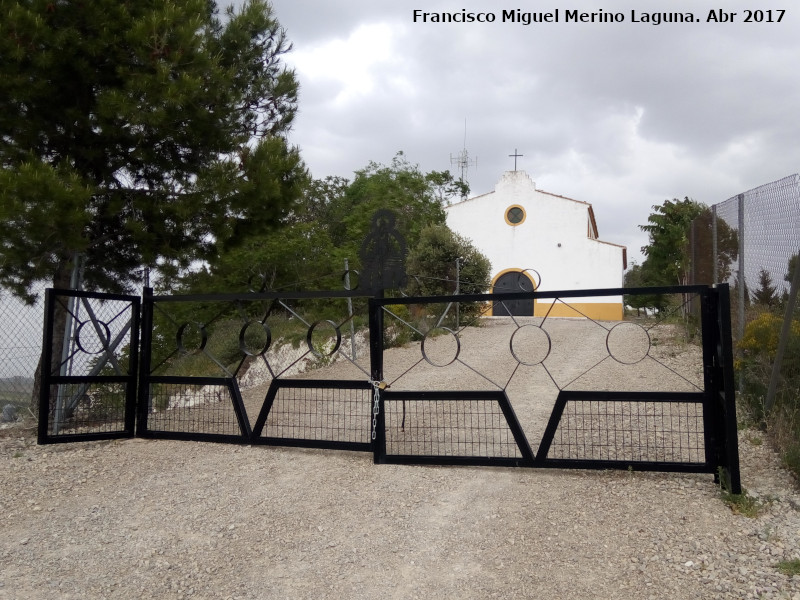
163	519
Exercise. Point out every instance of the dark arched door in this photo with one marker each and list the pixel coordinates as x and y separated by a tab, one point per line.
513	281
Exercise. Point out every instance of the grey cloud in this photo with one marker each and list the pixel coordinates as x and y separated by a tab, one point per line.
717	102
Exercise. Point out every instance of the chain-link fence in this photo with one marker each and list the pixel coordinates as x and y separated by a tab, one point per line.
751	241
20	349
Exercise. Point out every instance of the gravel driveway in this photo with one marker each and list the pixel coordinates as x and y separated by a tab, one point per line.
163	519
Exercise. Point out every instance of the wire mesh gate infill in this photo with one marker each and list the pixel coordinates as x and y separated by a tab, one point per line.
643	428
472	427
316	414
194	408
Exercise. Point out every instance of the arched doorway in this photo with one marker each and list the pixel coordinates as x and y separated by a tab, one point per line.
513	281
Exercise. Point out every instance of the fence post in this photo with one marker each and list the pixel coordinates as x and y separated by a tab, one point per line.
786	331
376	374
693	249
714	257
742	283
348	287
70	329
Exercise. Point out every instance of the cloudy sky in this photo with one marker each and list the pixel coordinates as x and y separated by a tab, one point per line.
622	115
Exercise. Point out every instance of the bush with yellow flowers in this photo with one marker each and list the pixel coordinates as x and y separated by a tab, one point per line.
757	351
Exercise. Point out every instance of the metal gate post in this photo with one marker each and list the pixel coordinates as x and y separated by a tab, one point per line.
47	366
713	433
726	392
376	374
146	339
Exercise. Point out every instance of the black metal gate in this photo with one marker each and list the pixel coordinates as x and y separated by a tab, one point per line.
680	422
89	366
411	386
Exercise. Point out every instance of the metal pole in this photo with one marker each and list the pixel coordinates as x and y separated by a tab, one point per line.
786	331
693	245
714	266
68	328
76	283
458	290
692	306
742	292
58	415
350	309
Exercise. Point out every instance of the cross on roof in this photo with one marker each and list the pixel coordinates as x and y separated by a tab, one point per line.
515	155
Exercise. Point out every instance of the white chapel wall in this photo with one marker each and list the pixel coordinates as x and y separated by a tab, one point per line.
553	238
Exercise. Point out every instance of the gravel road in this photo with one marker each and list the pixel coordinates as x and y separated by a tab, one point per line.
171	520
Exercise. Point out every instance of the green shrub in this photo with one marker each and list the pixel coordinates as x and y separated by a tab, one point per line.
754	364
757	350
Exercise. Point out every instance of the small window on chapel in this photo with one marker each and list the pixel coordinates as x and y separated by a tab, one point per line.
515	215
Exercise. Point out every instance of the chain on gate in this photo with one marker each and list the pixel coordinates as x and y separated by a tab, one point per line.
377	386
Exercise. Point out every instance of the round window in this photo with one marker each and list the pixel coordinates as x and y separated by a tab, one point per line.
515	215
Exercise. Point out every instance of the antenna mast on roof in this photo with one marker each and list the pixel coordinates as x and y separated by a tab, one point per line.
462	159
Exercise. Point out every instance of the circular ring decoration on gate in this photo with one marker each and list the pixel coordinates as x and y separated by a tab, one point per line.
347	279
320	352
531	275
92	338
532	340
265	333
440	346
184	331
628	343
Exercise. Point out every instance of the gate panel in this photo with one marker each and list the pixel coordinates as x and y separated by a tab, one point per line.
477	428
199	351
625	394
89	366
315	413
194	408
635	429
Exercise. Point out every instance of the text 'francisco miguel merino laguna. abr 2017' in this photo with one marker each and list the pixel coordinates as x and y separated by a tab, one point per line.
558	15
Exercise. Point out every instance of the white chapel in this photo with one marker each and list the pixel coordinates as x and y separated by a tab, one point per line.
538	240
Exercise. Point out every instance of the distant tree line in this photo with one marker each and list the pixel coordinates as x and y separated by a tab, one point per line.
680	251
307	249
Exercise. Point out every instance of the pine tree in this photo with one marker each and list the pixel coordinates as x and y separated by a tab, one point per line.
766	294
146	133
